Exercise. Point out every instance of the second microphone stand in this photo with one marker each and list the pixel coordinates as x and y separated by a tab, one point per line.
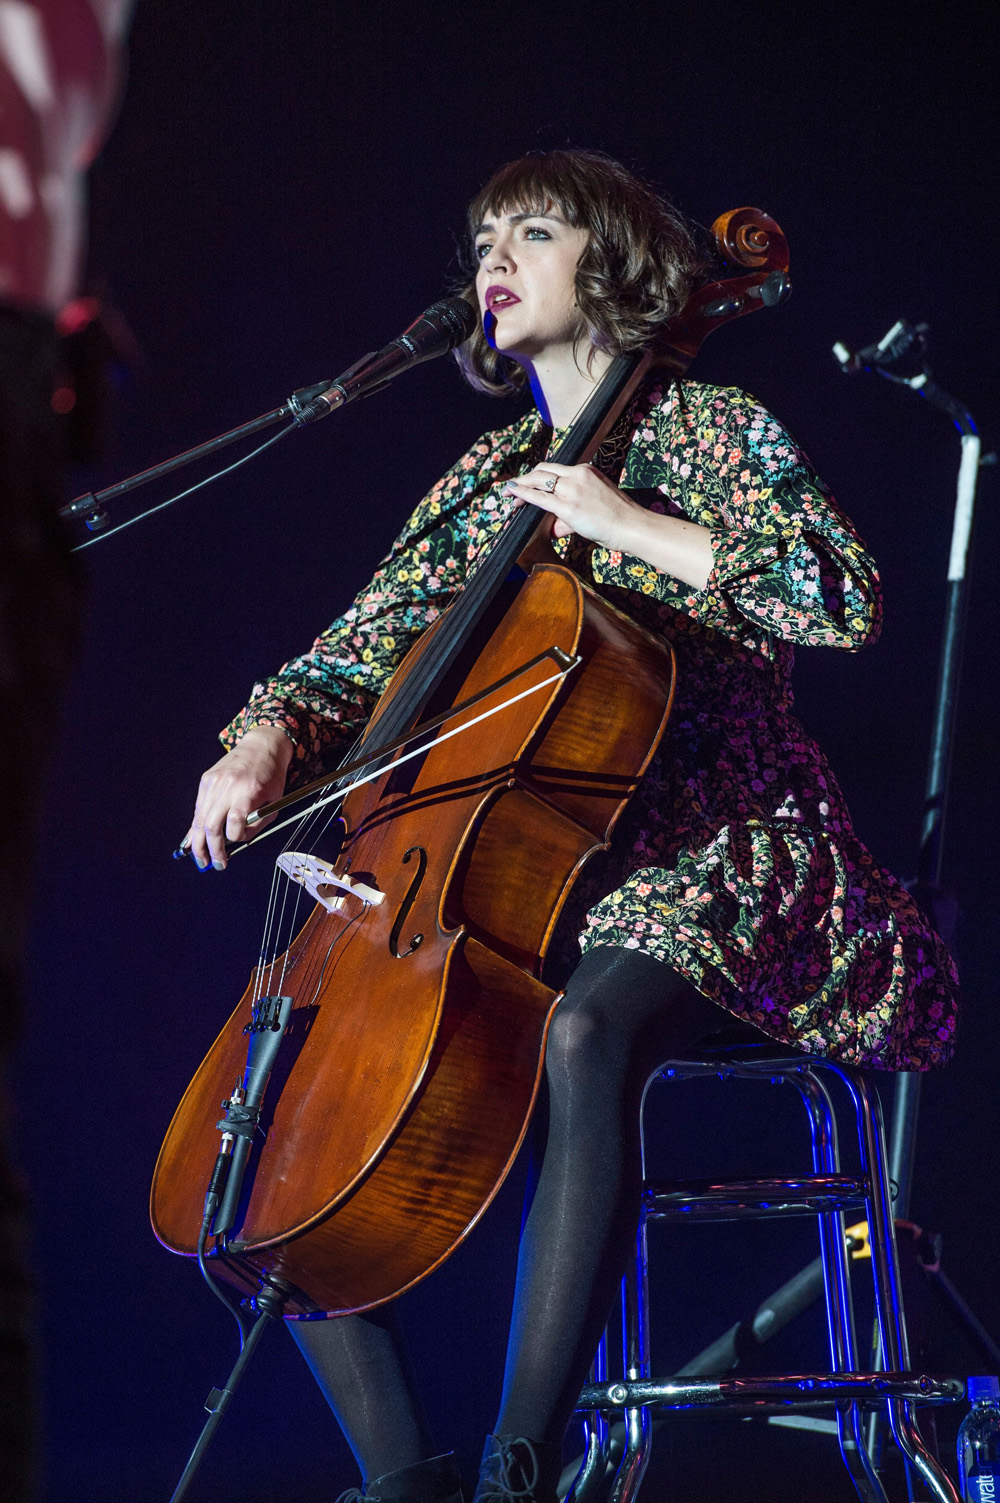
937	901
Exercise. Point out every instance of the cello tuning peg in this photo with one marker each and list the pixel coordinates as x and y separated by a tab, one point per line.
775	289
723	307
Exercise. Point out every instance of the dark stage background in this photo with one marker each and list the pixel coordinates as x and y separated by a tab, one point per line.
282	192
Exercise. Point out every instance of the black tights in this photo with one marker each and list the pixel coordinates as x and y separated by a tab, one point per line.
623	1014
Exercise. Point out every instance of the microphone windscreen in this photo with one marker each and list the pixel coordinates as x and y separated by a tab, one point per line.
460	318
440	327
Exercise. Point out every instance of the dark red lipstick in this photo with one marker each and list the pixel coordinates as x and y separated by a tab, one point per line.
498	297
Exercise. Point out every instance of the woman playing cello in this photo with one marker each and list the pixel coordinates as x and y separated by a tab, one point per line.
734	883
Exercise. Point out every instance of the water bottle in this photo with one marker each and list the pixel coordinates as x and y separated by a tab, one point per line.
979	1443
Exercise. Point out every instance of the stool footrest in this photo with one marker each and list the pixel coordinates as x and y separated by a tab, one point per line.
734	1199
798	1391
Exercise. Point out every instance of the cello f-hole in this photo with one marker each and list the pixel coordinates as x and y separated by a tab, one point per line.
407	903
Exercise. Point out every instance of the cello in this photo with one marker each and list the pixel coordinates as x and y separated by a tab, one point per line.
396	1041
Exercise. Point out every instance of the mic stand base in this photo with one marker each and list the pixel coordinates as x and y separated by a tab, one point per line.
270	1303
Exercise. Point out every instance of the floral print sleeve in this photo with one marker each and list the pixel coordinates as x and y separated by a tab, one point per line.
786	560
322	699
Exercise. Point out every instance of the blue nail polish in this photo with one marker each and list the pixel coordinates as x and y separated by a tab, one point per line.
220	866
201	865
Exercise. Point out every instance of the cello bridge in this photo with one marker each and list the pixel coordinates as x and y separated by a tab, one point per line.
324	884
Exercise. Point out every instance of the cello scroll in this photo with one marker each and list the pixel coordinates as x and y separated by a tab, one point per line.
749	242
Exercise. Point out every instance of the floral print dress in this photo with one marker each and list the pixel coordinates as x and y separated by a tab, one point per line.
735	861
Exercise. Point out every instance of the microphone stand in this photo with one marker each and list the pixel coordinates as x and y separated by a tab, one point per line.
926	887
269	1304
940	904
439	328
90	507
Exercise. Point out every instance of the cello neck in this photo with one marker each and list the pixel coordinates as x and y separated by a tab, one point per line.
463	617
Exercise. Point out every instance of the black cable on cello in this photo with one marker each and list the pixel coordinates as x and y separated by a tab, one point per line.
217	1288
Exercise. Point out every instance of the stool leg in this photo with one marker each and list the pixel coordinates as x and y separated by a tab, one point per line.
837	1285
854	1453
888	1295
635	1349
596	1435
832	1238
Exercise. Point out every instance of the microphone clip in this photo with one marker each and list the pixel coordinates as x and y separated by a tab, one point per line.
312	402
902	339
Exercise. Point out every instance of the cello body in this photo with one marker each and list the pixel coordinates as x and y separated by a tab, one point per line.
413	1055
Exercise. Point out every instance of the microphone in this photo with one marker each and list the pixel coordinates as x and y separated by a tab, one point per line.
444	325
900	340
268	1022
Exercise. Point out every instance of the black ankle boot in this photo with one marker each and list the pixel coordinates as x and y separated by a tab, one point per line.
435	1480
517	1470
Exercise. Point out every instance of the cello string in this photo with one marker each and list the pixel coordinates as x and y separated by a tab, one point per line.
262	960
300	834
305	836
279	926
287	955
275	940
275	926
274	918
272	927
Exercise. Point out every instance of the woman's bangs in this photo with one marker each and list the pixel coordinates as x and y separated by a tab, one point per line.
525	187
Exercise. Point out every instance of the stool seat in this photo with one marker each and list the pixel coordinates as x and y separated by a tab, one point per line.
889	1393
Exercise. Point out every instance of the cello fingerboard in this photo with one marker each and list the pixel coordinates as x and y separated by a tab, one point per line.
494	569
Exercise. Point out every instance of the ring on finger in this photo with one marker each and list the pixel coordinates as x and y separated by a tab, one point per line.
549	484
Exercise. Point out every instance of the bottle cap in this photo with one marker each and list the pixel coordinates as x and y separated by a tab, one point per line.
979	1389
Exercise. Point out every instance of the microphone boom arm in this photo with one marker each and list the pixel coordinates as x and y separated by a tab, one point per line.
443	325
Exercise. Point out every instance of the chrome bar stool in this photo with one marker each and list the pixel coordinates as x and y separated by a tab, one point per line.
827	1193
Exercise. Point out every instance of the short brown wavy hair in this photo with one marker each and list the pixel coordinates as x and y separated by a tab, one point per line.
635	274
